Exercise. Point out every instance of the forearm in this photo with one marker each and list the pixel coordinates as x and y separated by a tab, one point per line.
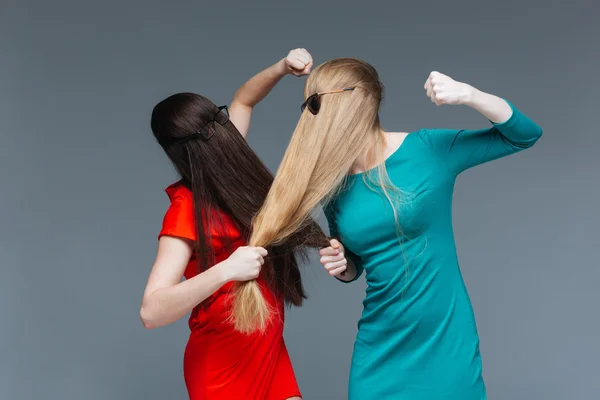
166	305
259	86
511	123
492	107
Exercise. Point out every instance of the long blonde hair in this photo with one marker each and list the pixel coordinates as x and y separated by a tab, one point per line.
322	151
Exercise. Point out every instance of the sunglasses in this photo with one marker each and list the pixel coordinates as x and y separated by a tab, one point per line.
221	117
313	102
208	130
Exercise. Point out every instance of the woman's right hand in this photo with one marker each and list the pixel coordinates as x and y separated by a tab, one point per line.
244	264
333	258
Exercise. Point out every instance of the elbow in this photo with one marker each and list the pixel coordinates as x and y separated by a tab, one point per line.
533	135
239	102
148	317
537	133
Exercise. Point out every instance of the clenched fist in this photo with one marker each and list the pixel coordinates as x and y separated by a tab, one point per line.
245	263
333	258
298	62
442	89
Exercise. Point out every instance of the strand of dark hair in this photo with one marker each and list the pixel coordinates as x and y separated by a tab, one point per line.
226	176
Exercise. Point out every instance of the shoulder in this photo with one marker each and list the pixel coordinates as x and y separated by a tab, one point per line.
179	218
434	137
178	192
440	141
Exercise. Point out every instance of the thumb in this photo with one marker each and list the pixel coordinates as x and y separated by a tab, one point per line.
335	244
261	251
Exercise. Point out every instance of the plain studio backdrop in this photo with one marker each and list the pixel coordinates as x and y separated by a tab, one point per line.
82	181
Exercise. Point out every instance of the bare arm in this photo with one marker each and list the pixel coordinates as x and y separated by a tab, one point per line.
167	298
444	90
298	62
492	107
461	149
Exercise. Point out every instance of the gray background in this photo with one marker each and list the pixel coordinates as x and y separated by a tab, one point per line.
81	200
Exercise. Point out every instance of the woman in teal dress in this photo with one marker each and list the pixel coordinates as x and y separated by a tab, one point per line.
417	337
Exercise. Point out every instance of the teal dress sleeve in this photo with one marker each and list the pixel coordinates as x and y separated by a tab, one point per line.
463	149
329	211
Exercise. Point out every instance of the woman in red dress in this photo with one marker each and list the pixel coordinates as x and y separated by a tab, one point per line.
203	239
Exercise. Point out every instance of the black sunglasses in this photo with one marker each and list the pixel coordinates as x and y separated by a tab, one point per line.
208	130
313	102
221	117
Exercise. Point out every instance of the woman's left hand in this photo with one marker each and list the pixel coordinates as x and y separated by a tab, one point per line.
298	62
442	89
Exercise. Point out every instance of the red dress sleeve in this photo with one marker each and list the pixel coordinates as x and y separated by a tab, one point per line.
179	218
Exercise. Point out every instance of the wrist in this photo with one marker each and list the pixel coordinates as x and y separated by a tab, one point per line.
280	68
471	96
223	271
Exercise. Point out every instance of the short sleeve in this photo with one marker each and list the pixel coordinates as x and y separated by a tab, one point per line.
179	218
329	212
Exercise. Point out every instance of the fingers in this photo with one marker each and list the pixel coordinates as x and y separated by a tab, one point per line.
259	254
328	251
306	54
336	267
308	68
329	259
261	251
256	272
337	271
432	85
302	55
435	76
295	63
336	244
299	61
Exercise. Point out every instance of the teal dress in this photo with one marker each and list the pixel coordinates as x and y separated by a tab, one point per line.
417	338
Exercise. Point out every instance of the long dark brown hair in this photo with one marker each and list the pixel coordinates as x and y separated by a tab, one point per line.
225	175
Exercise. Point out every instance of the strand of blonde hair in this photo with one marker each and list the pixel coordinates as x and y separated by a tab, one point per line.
320	154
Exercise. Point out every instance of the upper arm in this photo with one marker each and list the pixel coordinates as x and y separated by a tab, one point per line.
463	149
240	115
176	243
172	258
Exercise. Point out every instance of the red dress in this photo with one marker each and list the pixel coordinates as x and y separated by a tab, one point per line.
220	363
